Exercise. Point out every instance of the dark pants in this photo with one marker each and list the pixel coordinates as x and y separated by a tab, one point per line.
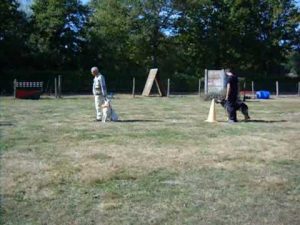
231	108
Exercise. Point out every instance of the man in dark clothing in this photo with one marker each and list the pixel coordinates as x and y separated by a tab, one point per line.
231	96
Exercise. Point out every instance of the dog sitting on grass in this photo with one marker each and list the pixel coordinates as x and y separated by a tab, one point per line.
241	106
108	114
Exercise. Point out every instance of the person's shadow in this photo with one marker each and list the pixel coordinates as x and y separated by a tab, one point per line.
137	121
264	121
3	123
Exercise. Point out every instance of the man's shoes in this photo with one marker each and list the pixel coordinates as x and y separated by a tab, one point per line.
231	121
98	120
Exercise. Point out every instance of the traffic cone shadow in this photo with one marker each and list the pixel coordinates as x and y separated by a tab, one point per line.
212	113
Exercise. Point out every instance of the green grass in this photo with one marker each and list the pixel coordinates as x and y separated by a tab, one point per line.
161	164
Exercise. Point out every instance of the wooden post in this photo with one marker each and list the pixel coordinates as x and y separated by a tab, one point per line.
55	87
59	86
199	87
15	87
252	86
277	89
205	81
244	87
168	88
133	87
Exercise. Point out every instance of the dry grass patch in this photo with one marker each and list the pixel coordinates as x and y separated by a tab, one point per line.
161	164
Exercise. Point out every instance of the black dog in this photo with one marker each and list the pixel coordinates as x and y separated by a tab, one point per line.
241	106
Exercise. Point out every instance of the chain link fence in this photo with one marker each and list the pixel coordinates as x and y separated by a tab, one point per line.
80	82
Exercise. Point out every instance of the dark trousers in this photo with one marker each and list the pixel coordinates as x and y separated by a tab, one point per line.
231	110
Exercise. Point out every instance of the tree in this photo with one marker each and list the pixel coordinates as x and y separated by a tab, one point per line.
293	64
131	33
12	34
57	37
202	35
265	31
253	35
156	20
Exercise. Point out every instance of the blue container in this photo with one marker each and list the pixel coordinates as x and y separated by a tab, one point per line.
263	94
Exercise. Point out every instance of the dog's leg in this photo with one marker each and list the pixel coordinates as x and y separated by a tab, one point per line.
104	115
244	111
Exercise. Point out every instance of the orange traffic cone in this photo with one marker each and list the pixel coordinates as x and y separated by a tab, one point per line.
212	113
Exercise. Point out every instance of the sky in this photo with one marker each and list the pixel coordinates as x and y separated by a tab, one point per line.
86	1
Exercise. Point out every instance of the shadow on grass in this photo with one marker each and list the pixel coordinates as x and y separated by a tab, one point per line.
264	121
137	121
6	124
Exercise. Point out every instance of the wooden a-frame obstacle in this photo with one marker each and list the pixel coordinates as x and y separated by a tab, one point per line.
153	76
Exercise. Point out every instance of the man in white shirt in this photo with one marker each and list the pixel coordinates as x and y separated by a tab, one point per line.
99	91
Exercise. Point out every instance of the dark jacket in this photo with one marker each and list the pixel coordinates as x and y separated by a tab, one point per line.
233	94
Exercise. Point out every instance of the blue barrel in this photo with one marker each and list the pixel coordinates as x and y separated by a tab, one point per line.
263	94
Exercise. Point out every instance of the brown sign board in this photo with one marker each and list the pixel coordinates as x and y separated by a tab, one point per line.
153	76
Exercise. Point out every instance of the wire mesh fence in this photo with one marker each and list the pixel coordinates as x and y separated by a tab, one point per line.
80	82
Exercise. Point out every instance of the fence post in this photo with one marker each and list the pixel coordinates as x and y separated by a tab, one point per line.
244	87
199	87
252	86
168	88
277	89
55	87
205	81
133	87
15	87
59	86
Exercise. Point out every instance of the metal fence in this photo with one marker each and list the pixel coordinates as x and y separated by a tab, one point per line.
81	83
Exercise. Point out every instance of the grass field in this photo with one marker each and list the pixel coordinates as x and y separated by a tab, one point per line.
161	164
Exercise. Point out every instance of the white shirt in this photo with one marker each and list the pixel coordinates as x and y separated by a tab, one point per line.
99	86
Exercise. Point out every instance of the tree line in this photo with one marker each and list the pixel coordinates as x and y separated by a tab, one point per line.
127	37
